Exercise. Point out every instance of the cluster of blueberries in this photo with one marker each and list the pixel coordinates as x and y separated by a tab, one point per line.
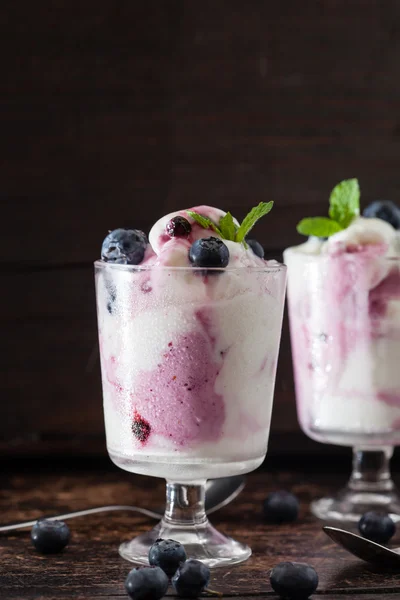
190	577
128	246
168	562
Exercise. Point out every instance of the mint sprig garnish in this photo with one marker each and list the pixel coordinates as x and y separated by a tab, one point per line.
344	206
203	221
318	226
344	202
227	228
251	219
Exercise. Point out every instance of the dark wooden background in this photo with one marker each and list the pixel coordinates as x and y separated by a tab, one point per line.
114	113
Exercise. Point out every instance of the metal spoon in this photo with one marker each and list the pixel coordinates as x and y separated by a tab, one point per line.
219	492
363	548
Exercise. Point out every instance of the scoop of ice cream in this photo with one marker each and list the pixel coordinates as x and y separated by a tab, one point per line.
174	251
158	235
372	236
355	258
364	232
313	245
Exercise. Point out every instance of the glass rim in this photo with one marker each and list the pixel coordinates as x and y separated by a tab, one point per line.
100	264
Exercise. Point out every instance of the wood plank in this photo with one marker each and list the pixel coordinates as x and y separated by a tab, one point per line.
353	595
91	567
115	115
70	244
51	377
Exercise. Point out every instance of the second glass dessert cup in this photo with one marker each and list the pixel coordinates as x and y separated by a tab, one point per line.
188	361
344	314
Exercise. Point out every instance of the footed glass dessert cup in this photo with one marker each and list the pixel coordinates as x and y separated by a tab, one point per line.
344	314
188	360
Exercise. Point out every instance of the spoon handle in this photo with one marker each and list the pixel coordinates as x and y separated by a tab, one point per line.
83	513
214	501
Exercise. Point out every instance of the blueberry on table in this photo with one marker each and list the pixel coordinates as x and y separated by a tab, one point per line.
191	578
178	227
146	583
124	246
281	507
167	554
256	247
50	536
294	581
209	252
384	209
376	527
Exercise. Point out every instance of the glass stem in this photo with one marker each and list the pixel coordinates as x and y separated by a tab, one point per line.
185	504
371	470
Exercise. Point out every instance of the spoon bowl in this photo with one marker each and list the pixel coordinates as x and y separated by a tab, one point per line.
365	549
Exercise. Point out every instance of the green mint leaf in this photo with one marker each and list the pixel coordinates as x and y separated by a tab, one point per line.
227	227
204	222
251	219
345	202
318	226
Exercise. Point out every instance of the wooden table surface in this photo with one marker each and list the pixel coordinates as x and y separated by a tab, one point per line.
91	567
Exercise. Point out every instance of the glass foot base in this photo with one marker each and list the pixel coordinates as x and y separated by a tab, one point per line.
349	505
203	542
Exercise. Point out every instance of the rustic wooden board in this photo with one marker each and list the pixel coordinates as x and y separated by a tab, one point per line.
113	115
92	568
